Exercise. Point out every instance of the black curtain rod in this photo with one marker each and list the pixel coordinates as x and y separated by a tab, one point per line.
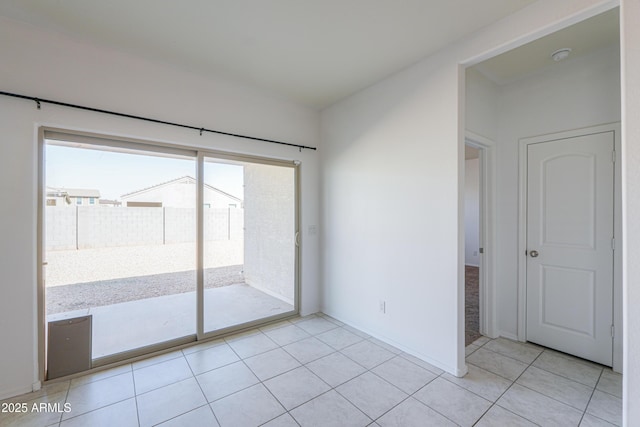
38	101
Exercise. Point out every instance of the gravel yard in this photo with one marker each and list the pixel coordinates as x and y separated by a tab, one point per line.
82	279
96	265
80	296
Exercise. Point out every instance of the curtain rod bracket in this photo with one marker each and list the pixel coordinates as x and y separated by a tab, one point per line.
37	103
201	130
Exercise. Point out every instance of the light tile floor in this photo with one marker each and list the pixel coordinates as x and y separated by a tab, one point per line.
316	371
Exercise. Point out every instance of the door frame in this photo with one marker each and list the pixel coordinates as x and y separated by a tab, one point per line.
487	229
617	230
201	154
163	147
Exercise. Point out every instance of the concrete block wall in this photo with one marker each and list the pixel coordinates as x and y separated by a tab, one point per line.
60	230
216	224
99	228
179	225
80	227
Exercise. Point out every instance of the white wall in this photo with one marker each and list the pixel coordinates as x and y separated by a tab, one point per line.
630	10
481	104
572	94
57	67
403	136
472	212
390	211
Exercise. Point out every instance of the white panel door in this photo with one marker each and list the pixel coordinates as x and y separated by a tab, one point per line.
570	208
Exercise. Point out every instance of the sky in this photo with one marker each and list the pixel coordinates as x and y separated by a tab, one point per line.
115	174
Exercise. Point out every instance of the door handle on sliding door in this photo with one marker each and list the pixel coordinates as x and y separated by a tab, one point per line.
297	238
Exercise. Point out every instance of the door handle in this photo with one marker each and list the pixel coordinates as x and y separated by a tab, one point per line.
297	239
534	254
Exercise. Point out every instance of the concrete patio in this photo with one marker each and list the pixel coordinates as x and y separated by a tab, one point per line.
129	325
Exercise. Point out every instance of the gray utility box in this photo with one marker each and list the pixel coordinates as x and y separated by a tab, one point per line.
69	349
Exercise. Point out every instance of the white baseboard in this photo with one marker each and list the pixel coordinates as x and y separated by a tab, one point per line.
5	394
453	370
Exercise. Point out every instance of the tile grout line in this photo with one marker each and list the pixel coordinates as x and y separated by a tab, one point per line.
325	392
542	394
471	391
335	388
433	409
287	411
358	376
367	370
590	397
579	361
437	374
135	395
360	364
507	356
508	388
259	380
314	374
537	367
409	395
492	404
336	351
100	407
398	404
347	399
565	377
195	377
294	341
606	392
66	397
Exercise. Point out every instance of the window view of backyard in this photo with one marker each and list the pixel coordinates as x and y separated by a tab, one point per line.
120	244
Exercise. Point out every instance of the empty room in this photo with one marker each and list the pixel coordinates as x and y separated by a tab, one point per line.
321	213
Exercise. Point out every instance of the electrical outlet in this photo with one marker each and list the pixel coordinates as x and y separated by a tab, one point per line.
383	306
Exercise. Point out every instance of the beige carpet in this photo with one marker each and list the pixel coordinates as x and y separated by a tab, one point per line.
472	303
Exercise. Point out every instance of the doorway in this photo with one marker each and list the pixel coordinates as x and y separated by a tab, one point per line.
479	227
148	246
472	244
527	91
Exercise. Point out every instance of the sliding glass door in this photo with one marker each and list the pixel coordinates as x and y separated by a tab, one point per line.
249	248
159	245
120	243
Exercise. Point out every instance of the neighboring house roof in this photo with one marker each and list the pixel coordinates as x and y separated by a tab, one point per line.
73	192
184	179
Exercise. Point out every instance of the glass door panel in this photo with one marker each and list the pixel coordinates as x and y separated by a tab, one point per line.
120	244
249	250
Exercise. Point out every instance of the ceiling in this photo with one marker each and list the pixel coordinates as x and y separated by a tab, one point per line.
313	52
583	38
